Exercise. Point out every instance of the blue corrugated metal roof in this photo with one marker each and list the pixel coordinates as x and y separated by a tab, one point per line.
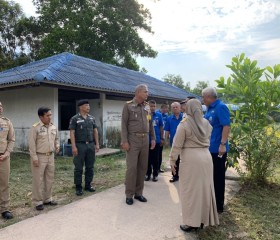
72	70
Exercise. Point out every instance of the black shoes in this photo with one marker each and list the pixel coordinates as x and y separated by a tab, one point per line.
90	188
129	201
79	192
141	198
186	228
174	179
155	179
148	178
7	215
51	203
40	207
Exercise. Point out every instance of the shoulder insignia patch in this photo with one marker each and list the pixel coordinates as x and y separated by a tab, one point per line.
183	120
5	118
36	124
129	101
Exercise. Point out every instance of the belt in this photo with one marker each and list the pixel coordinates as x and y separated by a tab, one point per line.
85	142
45	154
141	134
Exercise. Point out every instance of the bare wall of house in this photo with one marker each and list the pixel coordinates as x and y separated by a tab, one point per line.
21	106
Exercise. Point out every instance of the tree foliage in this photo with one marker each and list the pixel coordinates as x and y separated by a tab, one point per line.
11	48
199	87
104	30
253	131
177	81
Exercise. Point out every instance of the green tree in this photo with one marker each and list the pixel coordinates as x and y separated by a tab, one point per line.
11	48
177	81
104	30
199	87
253	131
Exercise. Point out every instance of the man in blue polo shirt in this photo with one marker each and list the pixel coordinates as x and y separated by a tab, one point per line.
164	108
170	131
218	116
154	153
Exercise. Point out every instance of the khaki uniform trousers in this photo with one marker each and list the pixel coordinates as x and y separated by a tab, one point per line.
42	179
4	184
137	164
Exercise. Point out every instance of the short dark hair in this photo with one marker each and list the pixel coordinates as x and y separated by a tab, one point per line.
42	111
152	102
164	104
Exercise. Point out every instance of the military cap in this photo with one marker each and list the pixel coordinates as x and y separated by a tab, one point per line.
82	102
187	99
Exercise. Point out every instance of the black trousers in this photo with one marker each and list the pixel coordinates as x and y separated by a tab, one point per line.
86	156
153	161
160	157
219	166
176	176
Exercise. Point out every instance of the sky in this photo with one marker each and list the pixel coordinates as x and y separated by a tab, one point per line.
196	39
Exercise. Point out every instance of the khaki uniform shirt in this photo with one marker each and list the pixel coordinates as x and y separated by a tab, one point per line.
42	139
7	136
136	118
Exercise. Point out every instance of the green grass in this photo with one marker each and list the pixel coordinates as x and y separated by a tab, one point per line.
109	172
254	213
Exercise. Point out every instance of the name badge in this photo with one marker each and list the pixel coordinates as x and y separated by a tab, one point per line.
79	121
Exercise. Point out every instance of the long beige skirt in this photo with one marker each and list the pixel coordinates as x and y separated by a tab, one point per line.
196	188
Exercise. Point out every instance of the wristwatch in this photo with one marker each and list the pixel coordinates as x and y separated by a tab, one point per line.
223	143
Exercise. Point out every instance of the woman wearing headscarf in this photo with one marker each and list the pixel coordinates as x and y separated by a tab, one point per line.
196	187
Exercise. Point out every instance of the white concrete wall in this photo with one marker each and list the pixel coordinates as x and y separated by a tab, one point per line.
21	106
112	114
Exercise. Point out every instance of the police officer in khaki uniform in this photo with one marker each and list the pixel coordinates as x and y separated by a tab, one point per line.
83	134
43	144
7	140
136	129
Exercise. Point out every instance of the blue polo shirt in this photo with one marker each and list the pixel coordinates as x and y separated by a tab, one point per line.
171	125
164	117
157	123
218	116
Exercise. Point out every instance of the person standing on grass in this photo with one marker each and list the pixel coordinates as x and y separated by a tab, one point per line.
164	108
136	128
7	141
85	142
43	144
154	153
218	116
170	131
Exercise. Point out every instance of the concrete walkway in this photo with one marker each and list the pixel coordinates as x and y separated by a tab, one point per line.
106	216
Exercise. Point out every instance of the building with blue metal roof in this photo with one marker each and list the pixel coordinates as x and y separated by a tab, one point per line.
59	81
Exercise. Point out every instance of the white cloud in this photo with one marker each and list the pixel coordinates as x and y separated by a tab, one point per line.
207	26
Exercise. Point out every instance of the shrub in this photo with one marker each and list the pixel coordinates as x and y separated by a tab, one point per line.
253	129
